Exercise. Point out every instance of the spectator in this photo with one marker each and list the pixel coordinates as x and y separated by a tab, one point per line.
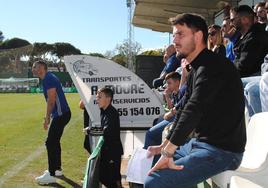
229	32
215	40
252	46
261	14
254	90
172	64
215	115
172	95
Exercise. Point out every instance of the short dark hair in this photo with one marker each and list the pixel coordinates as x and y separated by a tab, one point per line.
42	63
245	10
194	21
173	76
108	92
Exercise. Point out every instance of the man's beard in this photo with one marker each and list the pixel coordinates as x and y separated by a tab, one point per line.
180	55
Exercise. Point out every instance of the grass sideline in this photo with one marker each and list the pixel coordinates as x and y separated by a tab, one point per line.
22	151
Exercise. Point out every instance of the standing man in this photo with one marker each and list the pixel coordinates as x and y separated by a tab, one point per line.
112	149
57	108
214	110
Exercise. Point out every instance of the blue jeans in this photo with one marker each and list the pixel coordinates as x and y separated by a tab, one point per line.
264	92
154	134
200	160
252	94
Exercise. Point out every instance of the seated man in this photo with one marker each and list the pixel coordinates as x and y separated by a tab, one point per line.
216	116
252	46
173	96
172	64
229	33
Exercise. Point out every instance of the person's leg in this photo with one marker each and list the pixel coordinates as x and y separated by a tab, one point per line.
86	124
53	142
252	97
203	162
154	134
110	175
264	92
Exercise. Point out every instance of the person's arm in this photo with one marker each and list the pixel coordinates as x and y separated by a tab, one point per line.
163	75
112	127
167	98
51	98
81	105
205	91
207	86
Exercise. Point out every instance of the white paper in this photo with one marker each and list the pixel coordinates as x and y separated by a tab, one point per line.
138	166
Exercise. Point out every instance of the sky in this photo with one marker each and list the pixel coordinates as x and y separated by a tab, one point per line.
90	25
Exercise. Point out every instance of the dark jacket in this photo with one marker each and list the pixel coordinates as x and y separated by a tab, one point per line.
112	146
250	51
221	50
214	105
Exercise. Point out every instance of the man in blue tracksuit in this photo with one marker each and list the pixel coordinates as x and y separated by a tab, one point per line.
58	109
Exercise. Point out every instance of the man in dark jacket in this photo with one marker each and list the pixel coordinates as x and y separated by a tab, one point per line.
112	149
252	46
214	110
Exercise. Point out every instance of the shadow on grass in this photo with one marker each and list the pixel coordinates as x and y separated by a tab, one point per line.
67	180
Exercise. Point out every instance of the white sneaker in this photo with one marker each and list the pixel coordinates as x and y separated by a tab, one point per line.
46	178
57	172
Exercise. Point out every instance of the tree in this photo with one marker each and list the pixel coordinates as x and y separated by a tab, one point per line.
61	49
14	43
41	50
120	59
1	37
156	52
97	55
123	52
123	48
109	54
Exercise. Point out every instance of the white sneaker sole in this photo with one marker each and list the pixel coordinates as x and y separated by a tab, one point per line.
45	182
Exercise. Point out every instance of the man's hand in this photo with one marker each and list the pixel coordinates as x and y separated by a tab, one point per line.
165	162
46	122
85	130
168	115
154	150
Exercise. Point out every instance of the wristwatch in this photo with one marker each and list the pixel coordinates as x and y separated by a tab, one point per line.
166	154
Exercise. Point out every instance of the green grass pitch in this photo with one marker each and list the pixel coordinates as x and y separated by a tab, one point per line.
22	151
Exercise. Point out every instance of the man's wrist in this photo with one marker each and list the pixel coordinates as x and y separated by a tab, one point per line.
170	148
166	154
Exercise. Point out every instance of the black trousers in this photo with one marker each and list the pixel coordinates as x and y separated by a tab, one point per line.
53	142
86	124
110	171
